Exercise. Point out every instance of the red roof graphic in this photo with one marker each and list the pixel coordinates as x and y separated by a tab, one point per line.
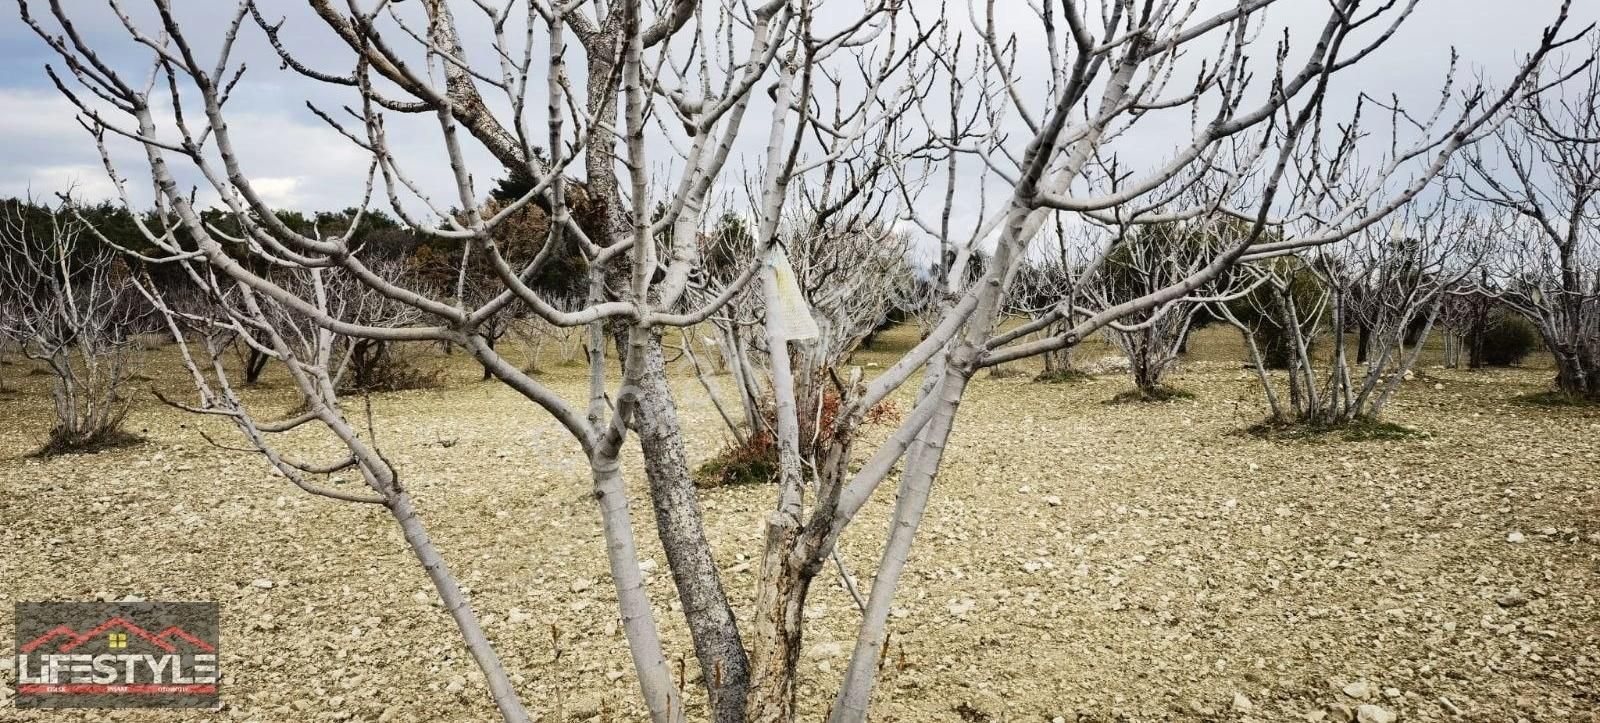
181	634
52	633
165	640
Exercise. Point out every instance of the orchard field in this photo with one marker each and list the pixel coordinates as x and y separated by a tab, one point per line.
1141	561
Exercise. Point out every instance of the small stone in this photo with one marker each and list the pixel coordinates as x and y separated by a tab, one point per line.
1242	704
1052	500
1369	713
1438	387
583	707
1512	599
581	584
1341	713
827	650
1515	538
1360	690
262	583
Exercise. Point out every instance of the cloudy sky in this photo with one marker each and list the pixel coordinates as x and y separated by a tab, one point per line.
299	163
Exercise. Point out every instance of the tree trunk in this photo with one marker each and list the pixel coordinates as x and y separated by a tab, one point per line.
638	623
489	338
724	665
916	484
780	608
1576	376
1475	338
455	603
780	600
254	364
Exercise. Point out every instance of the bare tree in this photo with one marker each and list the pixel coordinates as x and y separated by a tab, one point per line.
634	287
66	306
1464	316
851	270
1045	283
700	67
1543	170
1144	260
1394	285
1101	81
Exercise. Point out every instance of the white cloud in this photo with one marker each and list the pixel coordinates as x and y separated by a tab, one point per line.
278	192
84	182
293	162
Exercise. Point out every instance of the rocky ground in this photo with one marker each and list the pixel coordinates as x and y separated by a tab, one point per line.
1080	561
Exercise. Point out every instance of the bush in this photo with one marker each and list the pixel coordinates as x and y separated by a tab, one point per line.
384	367
755	460
1507	340
1062	375
63	441
1004	372
1267	316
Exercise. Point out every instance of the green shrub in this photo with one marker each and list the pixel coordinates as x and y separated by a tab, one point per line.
63	441
1265	312
1508	339
1062	375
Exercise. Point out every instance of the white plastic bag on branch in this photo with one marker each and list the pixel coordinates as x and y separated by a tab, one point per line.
793	312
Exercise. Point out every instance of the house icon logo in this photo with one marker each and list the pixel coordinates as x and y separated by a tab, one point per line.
116	655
